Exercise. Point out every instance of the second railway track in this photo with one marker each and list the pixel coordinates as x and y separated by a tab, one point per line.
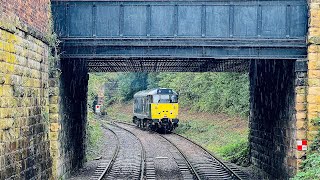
193	161
128	161
206	165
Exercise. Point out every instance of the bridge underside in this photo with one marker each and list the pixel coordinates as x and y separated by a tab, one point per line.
130	64
178	55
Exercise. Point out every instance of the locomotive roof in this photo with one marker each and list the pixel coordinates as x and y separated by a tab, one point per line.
155	91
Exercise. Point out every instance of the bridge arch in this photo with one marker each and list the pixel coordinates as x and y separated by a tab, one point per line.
265	38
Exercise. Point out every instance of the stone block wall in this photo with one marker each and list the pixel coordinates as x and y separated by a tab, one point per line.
24	90
300	112
313	90
272	120
308	96
55	121
24	110
68	116
306	109
42	135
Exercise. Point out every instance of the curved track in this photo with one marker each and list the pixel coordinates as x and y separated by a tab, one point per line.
103	168
128	160
201	163
234	171
206	165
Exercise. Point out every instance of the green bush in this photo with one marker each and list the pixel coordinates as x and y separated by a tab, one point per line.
183	127
311	165
210	92
237	153
310	168
94	133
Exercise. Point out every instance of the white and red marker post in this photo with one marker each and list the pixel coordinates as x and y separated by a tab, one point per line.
98	108
302	145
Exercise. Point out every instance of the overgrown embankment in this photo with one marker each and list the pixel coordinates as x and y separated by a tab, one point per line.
202	92
213	106
222	134
94	135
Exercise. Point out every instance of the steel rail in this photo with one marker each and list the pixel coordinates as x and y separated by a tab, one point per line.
191	168
143	152
231	172
102	172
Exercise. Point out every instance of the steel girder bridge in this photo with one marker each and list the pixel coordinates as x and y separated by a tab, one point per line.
180	35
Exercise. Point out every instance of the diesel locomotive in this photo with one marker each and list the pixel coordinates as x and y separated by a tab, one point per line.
156	109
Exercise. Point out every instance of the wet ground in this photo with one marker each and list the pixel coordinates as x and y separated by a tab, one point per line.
161	160
106	147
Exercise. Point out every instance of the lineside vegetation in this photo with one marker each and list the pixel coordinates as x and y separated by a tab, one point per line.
222	99
311	165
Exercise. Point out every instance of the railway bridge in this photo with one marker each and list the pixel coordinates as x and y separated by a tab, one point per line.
277	42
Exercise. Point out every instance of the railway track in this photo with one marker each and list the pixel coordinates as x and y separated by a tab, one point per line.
164	161
205	164
201	163
238	174
128	160
105	167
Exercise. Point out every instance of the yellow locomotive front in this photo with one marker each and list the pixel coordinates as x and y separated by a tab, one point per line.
164	111
160	109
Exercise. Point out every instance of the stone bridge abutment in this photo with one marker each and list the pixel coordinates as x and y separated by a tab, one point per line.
272	138
43	110
68	124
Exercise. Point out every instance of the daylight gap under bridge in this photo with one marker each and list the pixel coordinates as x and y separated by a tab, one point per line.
262	37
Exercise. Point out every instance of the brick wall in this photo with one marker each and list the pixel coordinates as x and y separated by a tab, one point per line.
272	121
34	13
24	90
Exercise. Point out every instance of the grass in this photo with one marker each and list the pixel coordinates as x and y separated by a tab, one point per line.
219	138
120	112
221	134
94	135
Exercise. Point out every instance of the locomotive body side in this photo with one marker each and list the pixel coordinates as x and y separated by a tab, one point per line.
141	108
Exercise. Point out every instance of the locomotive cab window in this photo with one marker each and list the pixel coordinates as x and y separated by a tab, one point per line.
165	98
156	99
174	99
